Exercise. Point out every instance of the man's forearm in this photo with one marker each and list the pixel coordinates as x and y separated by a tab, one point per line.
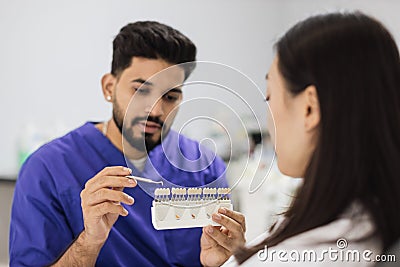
80	253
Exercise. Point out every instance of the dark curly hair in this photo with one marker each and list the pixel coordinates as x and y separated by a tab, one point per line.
153	40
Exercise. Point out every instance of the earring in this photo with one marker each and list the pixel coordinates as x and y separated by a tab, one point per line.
108	98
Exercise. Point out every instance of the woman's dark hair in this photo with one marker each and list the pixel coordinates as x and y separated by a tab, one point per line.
153	40
353	62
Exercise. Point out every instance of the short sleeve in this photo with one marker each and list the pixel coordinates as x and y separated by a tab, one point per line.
39	231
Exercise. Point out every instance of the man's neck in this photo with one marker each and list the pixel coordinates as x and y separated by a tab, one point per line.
115	137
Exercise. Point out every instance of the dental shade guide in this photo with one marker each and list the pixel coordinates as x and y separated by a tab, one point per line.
185	208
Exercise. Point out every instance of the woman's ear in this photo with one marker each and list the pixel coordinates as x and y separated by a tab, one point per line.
108	84
312	112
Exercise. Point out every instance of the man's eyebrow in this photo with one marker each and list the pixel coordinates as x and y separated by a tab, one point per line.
139	80
175	90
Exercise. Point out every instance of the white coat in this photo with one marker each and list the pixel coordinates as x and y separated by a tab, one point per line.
348	241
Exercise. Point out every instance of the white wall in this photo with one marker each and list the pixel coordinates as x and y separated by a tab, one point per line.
53	53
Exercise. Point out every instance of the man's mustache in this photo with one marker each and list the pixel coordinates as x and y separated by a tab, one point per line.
148	118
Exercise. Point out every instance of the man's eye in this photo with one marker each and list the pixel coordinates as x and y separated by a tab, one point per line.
170	98
267	99
142	90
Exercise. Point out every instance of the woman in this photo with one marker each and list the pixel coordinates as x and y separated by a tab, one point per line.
334	93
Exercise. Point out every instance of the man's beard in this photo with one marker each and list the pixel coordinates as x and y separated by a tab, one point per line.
143	143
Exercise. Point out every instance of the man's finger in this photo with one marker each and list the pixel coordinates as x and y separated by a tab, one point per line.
105	194
106	208
99	182
115	171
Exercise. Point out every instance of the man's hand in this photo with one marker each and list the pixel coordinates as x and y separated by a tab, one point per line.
101	205
101	202
218	243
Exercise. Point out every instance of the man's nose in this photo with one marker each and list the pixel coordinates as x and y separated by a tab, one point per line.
156	109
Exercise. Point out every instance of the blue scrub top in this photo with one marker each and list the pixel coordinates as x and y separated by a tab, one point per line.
46	213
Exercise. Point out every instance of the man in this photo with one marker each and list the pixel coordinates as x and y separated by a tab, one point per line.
73	205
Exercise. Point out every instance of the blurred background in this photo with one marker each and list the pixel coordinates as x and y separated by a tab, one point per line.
54	53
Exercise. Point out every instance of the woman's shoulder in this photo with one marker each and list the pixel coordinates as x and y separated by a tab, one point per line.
354	226
350	240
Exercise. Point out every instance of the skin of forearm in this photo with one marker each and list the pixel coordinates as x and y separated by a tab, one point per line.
82	252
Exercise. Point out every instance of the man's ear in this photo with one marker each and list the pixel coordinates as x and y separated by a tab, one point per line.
108	83
312	110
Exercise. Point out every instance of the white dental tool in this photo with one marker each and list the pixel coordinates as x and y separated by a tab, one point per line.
145	180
